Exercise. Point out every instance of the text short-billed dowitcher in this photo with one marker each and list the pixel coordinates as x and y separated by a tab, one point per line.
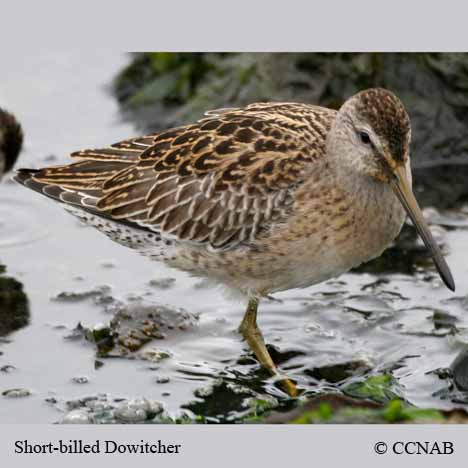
11	140
263	198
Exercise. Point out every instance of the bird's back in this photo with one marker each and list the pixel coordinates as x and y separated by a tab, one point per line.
215	183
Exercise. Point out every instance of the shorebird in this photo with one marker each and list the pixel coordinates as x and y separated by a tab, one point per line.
11	140
264	198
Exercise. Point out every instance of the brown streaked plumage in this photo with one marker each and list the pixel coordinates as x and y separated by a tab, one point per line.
216	182
263	198
11	141
389	120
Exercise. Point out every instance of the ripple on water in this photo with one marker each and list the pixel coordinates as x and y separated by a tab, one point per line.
20	222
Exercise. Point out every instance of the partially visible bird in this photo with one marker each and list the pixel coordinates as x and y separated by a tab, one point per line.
11	141
263	198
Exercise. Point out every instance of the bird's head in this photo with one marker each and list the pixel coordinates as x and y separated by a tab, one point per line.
11	141
372	135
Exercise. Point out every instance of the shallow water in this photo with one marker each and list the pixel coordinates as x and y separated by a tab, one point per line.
379	319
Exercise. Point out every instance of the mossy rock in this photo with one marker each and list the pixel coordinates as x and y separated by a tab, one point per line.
164	89
380	388
14	308
339	409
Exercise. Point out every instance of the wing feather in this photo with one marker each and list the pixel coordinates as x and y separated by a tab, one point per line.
219	181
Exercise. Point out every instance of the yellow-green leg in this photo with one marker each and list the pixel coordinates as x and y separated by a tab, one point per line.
254	338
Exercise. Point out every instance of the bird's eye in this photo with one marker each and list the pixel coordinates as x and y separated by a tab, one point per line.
365	138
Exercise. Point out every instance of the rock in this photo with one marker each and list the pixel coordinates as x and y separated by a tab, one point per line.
134	325
444	320
137	410
77	296
222	400
130	415
80	380
14	306
379	388
77	416
155	407
335	373
154	355
459	368
162	283
16	393
162	379
107	409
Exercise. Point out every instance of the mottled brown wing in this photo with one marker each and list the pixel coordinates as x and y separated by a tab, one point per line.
94	166
218	181
81	183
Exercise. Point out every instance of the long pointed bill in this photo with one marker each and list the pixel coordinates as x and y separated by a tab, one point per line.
404	193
